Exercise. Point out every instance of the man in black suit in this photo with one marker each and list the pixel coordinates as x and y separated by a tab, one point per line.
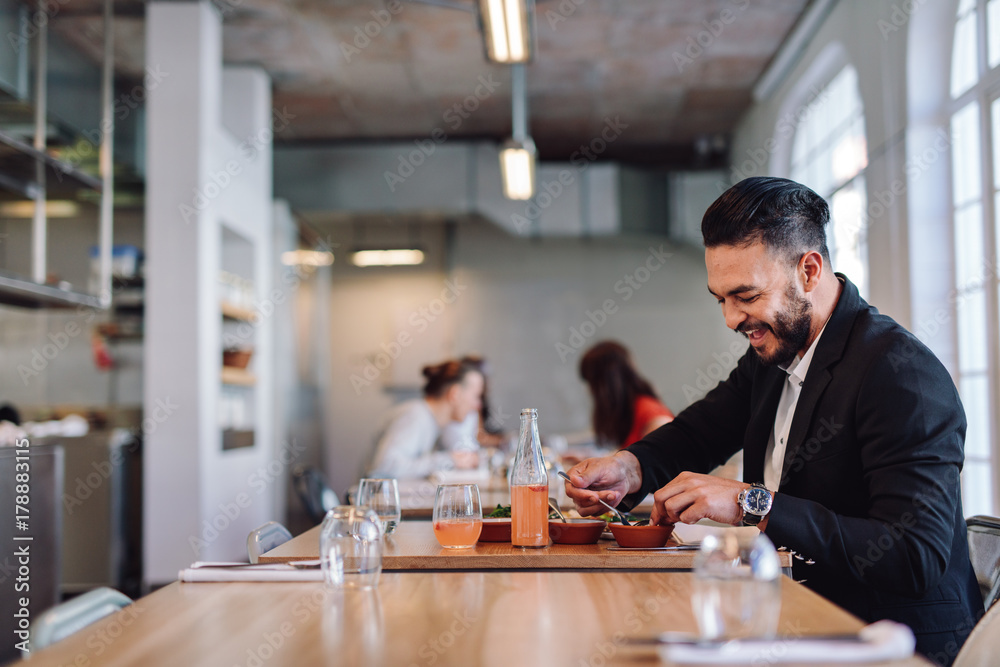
852	430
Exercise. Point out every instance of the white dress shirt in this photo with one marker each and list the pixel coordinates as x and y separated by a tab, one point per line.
774	457
405	446
461	436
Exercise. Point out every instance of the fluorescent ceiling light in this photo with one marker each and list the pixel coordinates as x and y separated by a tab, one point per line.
389	257
55	208
517	169
307	258
507	29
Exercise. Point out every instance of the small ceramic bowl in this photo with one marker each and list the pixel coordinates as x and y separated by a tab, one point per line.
495	530
640	536
576	531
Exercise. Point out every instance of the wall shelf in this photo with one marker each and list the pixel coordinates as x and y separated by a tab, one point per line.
238	376
234	312
236	439
115	331
62	178
16	291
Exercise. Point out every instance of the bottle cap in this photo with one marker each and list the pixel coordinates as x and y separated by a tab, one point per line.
529	411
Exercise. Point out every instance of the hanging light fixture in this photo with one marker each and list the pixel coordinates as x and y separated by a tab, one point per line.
302	257
508	29
517	168
388	257
517	155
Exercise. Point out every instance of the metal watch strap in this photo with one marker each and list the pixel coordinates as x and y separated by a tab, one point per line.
750	519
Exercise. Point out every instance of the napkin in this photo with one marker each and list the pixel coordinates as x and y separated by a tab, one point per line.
883	640
205	572
473	476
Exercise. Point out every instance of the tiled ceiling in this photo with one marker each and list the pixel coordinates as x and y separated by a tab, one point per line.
677	73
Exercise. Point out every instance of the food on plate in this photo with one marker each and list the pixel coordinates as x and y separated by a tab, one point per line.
503	512
611	517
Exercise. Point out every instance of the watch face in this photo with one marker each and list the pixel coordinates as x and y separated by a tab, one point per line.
758	501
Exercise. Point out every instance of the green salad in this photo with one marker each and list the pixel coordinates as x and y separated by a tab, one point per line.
503	512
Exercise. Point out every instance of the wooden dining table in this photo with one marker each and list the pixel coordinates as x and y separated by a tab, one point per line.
413	547
421	619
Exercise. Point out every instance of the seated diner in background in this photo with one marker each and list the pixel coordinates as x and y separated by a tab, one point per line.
405	445
626	406
478	429
852	430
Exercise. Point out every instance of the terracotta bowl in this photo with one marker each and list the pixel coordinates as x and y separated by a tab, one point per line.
236	357
576	531
640	536
495	530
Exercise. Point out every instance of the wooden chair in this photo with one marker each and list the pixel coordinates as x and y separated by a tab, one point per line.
74	615
984	551
983	645
266	537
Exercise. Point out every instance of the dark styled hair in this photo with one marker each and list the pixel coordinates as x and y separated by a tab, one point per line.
787	217
442	377
614	383
481	365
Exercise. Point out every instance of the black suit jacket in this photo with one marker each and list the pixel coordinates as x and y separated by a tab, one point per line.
870	484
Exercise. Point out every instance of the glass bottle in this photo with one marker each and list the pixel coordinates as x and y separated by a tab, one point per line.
529	488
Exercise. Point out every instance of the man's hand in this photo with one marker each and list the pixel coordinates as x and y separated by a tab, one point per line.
690	497
610	477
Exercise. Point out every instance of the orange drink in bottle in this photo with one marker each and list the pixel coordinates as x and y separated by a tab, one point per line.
529	488
529	512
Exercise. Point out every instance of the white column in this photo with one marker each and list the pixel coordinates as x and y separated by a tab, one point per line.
184	43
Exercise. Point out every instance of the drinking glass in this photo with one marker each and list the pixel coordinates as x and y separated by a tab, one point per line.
458	516
382	496
350	547
737	587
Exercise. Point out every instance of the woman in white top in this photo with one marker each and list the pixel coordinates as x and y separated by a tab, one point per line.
406	443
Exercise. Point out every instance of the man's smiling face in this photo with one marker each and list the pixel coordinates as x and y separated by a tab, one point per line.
761	298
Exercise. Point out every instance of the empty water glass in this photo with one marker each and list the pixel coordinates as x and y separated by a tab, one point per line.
382	495
350	547
737	588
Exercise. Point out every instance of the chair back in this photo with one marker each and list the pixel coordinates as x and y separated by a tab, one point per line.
74	615
983	645
264	538
316	495
984	551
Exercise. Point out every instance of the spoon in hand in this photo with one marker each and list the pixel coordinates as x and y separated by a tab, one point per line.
620	515
555	508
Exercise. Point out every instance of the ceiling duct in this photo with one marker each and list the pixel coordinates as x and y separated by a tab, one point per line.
439	180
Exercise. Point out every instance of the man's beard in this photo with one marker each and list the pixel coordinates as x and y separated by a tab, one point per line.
790	330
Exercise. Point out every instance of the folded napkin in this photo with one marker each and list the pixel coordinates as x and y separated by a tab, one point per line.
473	476
206	572
883	640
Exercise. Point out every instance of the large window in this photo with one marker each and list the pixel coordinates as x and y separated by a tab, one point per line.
975	128
829	154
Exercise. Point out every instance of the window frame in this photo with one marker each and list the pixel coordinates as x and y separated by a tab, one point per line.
831	64
985	92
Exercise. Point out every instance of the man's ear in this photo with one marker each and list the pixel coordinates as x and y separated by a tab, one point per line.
810	270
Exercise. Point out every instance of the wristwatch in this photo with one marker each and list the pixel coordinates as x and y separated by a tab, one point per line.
755	503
